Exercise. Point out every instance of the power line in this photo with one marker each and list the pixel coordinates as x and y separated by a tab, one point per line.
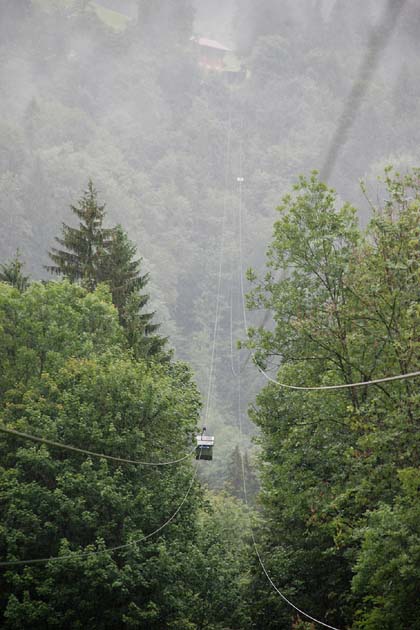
240	180
75	449
82	554
254	542
377	42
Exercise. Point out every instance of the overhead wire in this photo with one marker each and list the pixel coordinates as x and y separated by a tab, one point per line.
232	367
374	381
377	43
240	180
239	369
82	451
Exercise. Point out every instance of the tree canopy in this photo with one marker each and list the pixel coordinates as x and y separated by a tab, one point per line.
339	465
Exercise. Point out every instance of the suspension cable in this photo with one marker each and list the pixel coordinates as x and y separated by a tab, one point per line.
75	449
239	421
220	268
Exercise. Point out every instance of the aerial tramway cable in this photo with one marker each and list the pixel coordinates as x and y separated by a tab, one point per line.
378	41
220	266
75	449
254	542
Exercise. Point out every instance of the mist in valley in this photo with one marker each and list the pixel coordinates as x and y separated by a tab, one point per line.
164	105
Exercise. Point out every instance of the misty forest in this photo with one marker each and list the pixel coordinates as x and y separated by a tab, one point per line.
210	314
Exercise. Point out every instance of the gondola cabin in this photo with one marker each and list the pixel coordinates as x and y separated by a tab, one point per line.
204	448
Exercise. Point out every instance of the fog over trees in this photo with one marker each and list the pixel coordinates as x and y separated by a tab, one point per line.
151	153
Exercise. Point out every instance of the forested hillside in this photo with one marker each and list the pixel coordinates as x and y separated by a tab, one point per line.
144	151
129	107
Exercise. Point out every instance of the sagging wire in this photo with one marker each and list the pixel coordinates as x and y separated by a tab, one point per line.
68	447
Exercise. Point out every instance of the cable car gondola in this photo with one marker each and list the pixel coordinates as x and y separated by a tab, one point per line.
205	445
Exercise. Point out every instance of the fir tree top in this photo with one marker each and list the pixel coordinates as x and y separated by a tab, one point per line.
85	245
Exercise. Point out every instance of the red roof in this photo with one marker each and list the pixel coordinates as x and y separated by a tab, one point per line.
211	43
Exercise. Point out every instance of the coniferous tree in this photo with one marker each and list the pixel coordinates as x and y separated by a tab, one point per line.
11	273
140	330
86	245
120	269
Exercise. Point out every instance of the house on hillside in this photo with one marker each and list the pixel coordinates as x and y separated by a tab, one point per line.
214	56
211	54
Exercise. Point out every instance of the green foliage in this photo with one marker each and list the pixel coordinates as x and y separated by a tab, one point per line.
11	273
387	569
140	329
104	255
48	324
120	270
220	563
151	129
65	376
344	310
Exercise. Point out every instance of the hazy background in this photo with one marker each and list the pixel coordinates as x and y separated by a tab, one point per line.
113	91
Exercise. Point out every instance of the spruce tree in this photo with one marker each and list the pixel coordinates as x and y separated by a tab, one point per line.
140	330
86	245
11	273
120	269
